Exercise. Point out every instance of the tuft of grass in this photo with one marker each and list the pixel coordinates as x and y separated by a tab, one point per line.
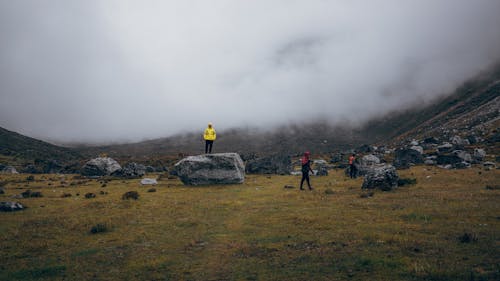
38	273
329	191
99	228
130	195
406	181
416	217
468	237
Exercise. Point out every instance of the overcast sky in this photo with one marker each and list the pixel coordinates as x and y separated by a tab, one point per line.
130	70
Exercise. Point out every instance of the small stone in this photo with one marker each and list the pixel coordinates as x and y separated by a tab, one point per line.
11	206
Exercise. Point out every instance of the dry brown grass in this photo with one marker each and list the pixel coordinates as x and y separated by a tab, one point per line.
255	231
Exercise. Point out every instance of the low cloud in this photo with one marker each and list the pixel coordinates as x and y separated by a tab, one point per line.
128	70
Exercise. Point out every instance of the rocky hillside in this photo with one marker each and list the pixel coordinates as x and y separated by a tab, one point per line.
32	155
471	112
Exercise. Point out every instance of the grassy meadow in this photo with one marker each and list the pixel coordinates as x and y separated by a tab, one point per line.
444	227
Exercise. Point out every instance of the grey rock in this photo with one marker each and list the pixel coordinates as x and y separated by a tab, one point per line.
11	206
479	154
220	168
405	157
461	165
429	162
2	191
418	148
8	170
275	164
322	170
446	159
445	147
431	140
369	160
101	166
489	164
382	176
466	157
131	170
149	181
457	140
414	143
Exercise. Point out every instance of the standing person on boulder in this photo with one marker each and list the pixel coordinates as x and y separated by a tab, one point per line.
306	167
352	166
209	137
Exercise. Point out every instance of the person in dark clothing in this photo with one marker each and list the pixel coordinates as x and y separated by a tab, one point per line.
306	167
352	166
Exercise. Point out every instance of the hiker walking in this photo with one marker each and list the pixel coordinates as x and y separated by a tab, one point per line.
352	166
306	167
209	137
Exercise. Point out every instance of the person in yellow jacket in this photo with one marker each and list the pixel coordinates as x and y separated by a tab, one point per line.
209	137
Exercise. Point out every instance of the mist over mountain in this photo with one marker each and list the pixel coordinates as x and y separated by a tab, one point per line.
94	71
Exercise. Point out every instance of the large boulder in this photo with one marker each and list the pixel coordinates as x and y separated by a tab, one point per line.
219	168
131	170
405	157
275	164
382	176
101	166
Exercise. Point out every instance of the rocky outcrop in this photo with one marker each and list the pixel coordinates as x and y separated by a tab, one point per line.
275	164
102	166
382	176
148	181
220	168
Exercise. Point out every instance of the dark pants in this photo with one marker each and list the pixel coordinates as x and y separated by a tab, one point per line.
208	146
352	171
305	176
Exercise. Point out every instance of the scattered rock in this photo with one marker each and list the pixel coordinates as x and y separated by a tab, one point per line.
64	195
446	147
90	195
2	191
275	164
11	206
321	170
101	166
152	190
369	160
220	168
130	195
457	140
289	186
382	176
418	148
149	181
28	193
479	154
406	157
466	157
489	164
406	181
8	170
131	170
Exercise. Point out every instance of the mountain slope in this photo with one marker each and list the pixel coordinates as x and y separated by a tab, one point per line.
17	146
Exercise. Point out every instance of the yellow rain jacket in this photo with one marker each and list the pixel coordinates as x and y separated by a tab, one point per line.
210	134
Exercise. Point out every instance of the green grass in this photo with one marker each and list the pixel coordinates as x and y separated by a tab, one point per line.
255	231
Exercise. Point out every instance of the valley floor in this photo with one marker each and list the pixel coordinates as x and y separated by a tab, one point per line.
444	227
